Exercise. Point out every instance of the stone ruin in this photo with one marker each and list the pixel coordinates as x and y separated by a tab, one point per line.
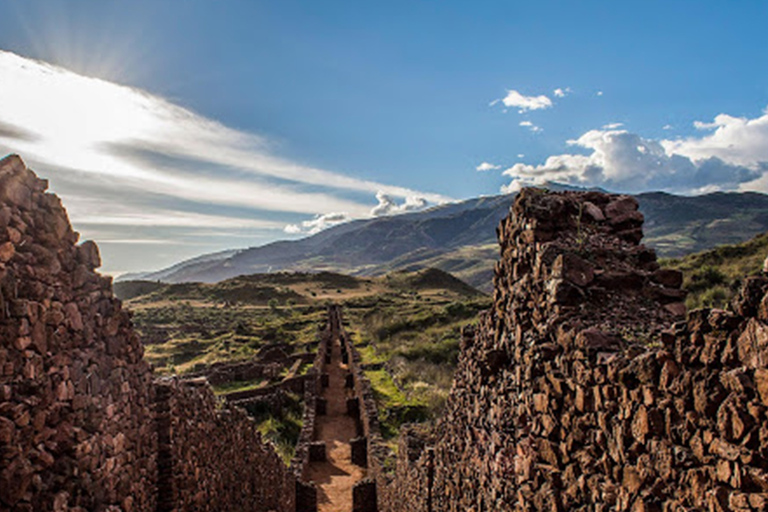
84	425
583	388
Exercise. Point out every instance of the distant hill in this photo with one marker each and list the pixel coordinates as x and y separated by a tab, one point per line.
460	238
297	288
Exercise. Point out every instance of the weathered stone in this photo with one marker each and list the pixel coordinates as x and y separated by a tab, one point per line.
752	345
7	251
761	384
676	309
668	277
621	206
88	255
594	211
595	340
573	269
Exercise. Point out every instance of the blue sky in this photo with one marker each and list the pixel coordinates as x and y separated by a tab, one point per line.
232	123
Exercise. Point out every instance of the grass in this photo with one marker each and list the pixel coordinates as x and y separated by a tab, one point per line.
281	428
406	324
193	335
417	342
713	277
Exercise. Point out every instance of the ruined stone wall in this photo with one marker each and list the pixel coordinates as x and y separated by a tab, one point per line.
583	389
212	457
76	424
292	385
83	426
314	404
222	373
368	449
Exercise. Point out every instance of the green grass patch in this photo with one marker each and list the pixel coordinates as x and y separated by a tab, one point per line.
713	277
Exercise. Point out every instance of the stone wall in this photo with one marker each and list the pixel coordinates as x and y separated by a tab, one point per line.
584	389
212	457
222	373
368	449
83	426
75	395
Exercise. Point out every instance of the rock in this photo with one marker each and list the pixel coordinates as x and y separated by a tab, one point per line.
668	277
761	384
88	255
627	221
495	360
752	345
593	211
676	309
564	293
622	206
573	269
16	193
7	430
7	251
595	340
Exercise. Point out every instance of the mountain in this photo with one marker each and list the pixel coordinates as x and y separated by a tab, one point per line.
460	238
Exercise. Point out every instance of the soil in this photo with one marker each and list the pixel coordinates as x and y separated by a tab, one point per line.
337	475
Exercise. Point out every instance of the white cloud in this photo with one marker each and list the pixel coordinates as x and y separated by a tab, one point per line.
531	126
562	93
667	127
736	140
599	93
735	156
486	166
524	103
520	155
80	131
612	126
388	206
318	223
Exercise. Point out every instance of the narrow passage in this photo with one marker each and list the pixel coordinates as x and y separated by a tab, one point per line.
337	475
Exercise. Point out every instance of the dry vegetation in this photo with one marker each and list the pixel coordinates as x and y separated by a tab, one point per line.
407	327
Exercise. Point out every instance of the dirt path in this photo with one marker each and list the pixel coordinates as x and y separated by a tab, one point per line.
335	477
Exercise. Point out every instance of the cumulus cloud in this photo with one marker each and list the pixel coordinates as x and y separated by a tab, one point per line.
736	140
531	126
599	93
524	103
734	156
562	93
612	126
388	206
487	166
317	224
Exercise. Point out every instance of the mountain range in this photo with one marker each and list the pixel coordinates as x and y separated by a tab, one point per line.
460	238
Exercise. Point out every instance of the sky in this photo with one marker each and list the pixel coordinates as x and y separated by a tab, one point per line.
172	129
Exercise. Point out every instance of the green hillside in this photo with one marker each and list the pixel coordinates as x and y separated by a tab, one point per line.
712	277
407	326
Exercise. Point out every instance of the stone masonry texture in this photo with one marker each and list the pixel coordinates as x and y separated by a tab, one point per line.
584	388
84	426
